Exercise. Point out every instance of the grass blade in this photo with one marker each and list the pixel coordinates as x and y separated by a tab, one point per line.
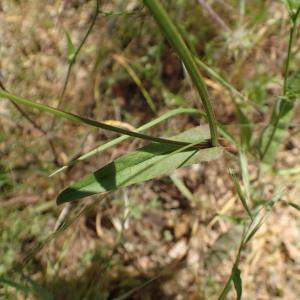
177	42
182	187
237	281
245	173
213	74
240	194
86	121
225	290
294	205
70	46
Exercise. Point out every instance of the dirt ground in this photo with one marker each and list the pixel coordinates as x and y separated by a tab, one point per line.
150	241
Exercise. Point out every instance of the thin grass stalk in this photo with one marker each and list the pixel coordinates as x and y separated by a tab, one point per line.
286	74
177	42
74	58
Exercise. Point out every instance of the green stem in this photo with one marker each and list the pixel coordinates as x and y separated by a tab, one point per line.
291	40
72	62
177	42
286	75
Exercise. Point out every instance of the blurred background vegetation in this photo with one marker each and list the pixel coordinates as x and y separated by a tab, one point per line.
171	238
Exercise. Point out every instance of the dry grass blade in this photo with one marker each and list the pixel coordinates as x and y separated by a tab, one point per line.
122	61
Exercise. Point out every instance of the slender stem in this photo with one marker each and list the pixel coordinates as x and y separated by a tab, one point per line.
291	40
72	62
93	123
176	40
286	74
287	63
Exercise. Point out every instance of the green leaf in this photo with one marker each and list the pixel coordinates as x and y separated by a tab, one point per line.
144	164
292	6
122	138
178	182
240	193
213	74
288	171
227	135
246	129
236	278
70	46
294	205
245	174
81	120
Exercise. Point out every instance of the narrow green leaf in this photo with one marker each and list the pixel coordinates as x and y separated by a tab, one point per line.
290	5
227	135
171	32
70	47
86	121
245	174
246	129
182	187
261	214
146	163
255	224
236	278
294	205
288	172
213	74
226	290
240	193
